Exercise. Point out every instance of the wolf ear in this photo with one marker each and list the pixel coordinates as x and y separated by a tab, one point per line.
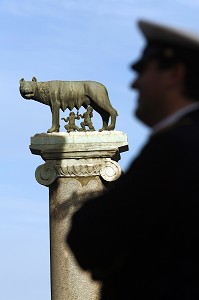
34	79
21	80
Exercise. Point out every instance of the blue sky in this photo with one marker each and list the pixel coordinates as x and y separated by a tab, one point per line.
66	40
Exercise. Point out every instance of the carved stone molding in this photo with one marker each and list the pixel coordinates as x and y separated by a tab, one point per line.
111	170
47	173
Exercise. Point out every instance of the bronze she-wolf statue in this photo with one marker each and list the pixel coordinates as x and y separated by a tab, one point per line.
70	94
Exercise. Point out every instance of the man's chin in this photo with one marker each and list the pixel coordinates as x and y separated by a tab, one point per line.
139	114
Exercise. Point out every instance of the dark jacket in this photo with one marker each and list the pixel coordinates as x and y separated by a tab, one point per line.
141	239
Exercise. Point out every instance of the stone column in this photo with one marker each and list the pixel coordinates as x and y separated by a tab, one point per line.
76	164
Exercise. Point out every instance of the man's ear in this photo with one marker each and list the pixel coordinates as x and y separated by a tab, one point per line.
177	74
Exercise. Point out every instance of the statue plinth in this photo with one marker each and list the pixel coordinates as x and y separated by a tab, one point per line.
77	164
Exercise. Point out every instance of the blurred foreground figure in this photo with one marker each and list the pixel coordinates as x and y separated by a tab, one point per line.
141	239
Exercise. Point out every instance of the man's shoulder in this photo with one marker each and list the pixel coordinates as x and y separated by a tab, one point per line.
185	124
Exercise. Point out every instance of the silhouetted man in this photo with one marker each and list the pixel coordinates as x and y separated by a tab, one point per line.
141	239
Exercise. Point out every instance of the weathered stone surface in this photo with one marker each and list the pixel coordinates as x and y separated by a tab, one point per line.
79	141
77	165
68	281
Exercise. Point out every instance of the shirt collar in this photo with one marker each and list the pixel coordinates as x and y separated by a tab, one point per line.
173	118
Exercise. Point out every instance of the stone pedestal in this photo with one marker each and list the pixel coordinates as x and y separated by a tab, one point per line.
76	164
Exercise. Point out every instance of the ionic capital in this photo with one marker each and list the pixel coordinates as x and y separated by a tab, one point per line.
48	172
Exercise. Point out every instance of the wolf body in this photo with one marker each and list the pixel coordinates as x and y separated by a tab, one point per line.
70	94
